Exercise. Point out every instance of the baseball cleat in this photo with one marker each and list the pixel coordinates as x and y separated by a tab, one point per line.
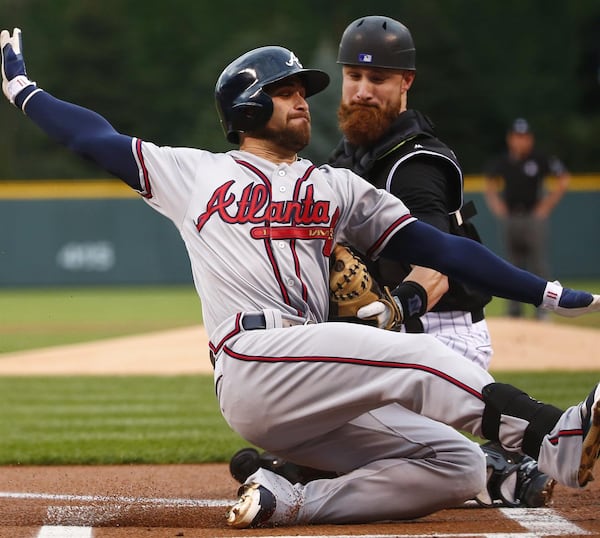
590	417
247	461
253	509
244	463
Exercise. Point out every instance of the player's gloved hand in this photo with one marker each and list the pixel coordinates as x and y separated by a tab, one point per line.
14	76
567	302
407	300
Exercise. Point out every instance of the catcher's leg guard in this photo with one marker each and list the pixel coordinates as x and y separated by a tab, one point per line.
513	480
502	399
498	466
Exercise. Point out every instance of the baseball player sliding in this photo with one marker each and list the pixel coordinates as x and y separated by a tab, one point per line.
259	224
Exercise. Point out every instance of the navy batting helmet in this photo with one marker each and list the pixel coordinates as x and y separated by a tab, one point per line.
377	41
242	103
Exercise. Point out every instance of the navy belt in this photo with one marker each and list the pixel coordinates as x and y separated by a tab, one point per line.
251	322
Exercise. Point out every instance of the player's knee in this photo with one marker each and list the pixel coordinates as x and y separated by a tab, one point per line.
471	470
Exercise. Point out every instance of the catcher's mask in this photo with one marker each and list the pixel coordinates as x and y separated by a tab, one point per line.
377	41
241	101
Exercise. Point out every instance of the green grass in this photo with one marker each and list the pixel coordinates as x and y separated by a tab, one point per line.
102	420
112	420
32	318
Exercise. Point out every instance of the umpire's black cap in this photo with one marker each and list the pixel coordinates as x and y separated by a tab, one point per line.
520	126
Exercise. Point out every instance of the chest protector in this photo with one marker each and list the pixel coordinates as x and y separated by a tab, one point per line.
412	136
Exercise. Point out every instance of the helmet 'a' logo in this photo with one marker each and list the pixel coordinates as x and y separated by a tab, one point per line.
293	60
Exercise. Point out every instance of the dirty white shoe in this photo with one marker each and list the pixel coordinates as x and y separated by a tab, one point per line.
266	499
254	507
590	417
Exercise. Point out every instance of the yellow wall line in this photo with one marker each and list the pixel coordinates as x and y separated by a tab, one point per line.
45	189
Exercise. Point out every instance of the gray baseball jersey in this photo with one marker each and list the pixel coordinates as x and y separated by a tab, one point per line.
259	236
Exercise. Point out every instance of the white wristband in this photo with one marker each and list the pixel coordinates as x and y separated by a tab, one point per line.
15	86
29	97
552	295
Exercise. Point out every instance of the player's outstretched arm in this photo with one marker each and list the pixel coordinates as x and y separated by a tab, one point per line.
473	263
81	130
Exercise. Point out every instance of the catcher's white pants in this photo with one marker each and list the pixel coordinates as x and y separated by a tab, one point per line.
456	330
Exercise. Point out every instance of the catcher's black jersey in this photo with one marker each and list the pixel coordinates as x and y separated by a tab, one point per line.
414	165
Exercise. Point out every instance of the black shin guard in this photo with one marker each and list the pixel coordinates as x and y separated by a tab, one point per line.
502	399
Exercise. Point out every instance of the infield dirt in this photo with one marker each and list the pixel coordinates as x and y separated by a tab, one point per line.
518	345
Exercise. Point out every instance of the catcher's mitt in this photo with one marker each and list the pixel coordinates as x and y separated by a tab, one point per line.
352	287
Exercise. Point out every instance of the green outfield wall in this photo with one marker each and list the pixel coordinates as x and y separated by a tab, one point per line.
100	232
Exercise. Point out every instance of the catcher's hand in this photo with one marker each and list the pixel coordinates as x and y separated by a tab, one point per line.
14	75
354	292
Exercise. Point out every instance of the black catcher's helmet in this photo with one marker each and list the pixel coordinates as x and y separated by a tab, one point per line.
242	103
377	41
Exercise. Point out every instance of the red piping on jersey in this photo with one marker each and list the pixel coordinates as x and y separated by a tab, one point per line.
147	192
387	233
236	329
297	188
298	273
275	267
358	362
565	433
257	171
306	175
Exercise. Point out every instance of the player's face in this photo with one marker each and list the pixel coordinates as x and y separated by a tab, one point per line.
372	98
520	144
289	125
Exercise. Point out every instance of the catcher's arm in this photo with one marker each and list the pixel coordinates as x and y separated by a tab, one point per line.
434	283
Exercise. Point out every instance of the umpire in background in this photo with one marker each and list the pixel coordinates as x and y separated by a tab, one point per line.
516	194
396	148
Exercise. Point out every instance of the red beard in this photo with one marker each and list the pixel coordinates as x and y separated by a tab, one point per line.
363	125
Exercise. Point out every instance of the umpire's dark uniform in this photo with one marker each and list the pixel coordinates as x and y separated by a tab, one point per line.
525	234
414	165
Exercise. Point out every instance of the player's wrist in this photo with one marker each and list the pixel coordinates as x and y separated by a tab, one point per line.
552	294
411	298
22	98
16	85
